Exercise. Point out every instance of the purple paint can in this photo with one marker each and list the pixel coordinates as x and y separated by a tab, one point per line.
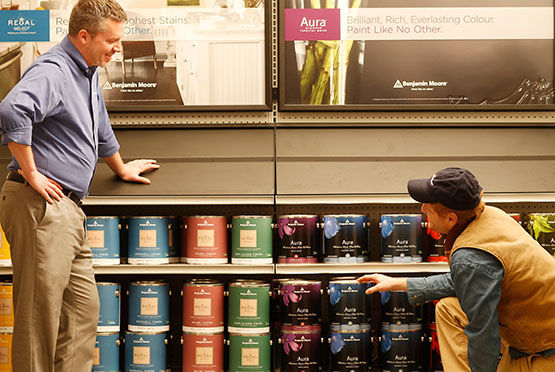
297	239
301	302
301	349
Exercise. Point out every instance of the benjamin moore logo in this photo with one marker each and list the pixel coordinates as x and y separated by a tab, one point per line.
420	85
312	24
24	25
107	85
398	85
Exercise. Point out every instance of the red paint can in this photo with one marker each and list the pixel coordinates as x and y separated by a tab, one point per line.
205	239
203	352
203	306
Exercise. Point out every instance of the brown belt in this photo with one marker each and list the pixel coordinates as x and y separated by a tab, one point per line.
16	177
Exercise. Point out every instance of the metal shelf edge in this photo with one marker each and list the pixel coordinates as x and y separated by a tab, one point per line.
179	200
363	268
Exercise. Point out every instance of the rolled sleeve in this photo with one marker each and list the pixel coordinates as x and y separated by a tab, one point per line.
435	287
107	143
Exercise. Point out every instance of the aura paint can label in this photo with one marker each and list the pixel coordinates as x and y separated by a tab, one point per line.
301	349
350	348
401	348
297	239
106	353
148	240
251	240
103	236
401	237
249	353
149	306
203	306
109	316
5	257
203	352
6	307
435	246
396	309
301	302
348	302
6	352
174	237
435	356
542	228
206	239
249	307
145	352
345	238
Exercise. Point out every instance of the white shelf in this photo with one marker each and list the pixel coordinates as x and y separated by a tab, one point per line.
363	268
180	200
185	269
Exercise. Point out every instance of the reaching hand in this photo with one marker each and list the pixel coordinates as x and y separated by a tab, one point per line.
383	283
45	186
132	170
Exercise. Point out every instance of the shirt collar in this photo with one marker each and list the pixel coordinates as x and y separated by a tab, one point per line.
77	57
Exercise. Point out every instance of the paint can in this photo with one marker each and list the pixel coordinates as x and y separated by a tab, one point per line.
149	306
148	241
109	316
103	237
5	257
351	348
6	307
301	302
145	352
6	342
345	238
396	309
301	348
204	352
206	239
203	306
297	239
435	357
401	348
251	240
542	228
349	304
249	307
249	353
174	238
106	353
401	237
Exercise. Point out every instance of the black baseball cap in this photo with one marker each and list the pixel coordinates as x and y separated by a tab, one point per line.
455	188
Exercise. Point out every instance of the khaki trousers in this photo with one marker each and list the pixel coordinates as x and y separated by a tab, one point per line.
453	344
55	296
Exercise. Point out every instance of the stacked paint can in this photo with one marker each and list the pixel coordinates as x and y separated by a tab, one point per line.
204	240
249	326
148	240
5	257
203	326
251	240
148	322
106	355
103	234
349	315
433	353
401	237
345	238
174	239
6	325
542	228
435	245
297	239
401	336
301	332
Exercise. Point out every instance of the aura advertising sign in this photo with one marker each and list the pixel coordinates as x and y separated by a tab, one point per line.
176	55
416	54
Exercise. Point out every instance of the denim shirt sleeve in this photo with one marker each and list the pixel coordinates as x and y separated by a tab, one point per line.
435	287
477	276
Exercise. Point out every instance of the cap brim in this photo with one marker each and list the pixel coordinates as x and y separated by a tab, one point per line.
419	190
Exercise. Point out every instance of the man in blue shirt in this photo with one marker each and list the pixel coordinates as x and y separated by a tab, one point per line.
501	283
55	123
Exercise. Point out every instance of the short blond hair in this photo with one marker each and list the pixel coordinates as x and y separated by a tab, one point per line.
91	15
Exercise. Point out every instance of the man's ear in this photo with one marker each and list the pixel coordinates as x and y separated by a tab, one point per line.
83	36
452	219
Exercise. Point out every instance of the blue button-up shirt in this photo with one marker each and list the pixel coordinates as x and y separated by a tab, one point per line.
475	279
58	109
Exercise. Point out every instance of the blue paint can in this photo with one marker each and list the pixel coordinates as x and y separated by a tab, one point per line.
149	306
145	352
103	237
148	240
174	239
351	348
401	237
396	309
348	302
106	353
401	348
109	317
345	238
